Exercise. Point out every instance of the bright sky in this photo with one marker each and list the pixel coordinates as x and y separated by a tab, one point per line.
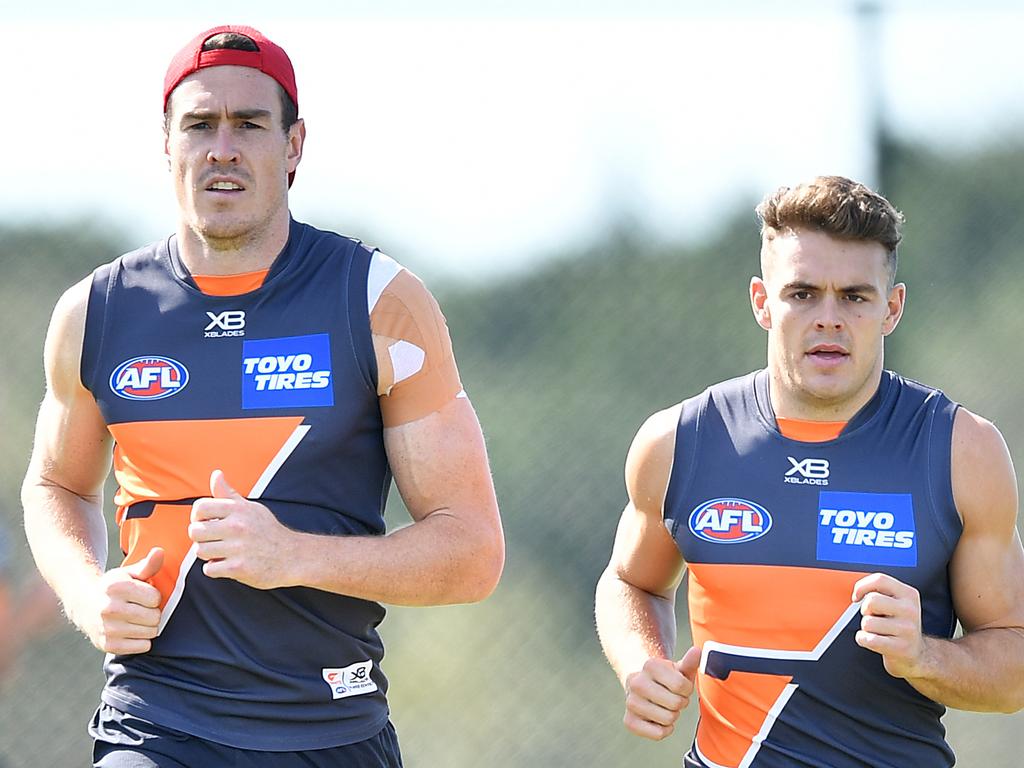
475	139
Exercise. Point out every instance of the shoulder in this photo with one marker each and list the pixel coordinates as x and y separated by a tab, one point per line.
62	351
387	276
650	458
403	311
67	323
984	483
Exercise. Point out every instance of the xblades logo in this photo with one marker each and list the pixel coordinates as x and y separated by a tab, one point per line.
229	323
353	680
807	472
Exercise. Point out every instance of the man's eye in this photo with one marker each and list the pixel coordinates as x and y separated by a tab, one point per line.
855	297
802	295
200	126
248	124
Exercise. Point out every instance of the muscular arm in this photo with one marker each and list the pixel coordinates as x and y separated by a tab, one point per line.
63	489
635	601
635	606
453	552
984	669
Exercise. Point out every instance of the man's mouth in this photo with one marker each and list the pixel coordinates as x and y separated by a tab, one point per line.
828	352
225	186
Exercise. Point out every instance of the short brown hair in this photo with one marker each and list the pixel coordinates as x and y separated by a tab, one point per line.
838	207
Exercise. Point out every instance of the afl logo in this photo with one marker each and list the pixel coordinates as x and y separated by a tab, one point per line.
730	521
148	378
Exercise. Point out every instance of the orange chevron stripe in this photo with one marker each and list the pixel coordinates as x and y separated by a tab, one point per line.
171	460
780	608
168	460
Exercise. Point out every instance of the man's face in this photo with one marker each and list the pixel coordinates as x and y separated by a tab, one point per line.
826	304
228	154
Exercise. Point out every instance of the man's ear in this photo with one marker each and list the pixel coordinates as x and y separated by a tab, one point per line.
896	301
759	302
296	139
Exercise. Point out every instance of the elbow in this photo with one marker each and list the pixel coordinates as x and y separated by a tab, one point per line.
1013	705
488	564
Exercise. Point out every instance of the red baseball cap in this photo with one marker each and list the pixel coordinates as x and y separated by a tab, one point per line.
270	59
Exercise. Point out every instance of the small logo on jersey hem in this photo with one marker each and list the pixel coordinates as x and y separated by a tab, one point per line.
729	521
353	680
150	377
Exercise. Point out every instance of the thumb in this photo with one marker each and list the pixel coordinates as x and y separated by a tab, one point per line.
147	567
690	663
220	488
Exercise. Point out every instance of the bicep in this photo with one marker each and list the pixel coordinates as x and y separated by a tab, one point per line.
645	555
440	464
987	567
72	443
987	575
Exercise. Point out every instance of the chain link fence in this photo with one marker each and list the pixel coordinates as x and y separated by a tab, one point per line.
563	363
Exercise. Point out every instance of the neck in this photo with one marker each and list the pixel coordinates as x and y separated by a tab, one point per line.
206	253
791	401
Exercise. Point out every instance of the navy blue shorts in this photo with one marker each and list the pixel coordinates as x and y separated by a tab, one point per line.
126	741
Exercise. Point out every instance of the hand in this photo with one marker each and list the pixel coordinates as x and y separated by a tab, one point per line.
125	616
658	693
891	623
239	539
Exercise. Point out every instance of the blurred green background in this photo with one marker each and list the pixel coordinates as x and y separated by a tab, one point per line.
563	362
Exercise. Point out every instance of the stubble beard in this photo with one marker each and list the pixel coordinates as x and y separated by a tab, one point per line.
225	231
221	235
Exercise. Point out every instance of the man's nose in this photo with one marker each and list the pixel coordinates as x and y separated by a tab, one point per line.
829	316
225	148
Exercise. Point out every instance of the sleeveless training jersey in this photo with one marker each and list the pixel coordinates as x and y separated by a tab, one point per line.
775	533
276	387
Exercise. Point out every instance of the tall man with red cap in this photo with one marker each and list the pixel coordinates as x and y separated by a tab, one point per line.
257	382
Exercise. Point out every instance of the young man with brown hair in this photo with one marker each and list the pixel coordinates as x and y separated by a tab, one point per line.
836	521
258	382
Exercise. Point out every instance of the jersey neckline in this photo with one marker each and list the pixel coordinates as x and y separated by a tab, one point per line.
284	262
766	414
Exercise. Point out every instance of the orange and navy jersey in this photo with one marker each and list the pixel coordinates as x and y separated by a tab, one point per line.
278	386
775	532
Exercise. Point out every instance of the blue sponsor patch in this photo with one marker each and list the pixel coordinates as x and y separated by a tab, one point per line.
291	372
867	528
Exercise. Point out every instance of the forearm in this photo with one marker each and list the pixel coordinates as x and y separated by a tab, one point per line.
68	540
439	560
982	671
632	624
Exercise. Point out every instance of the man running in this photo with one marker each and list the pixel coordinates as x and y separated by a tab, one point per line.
258	382
835	520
